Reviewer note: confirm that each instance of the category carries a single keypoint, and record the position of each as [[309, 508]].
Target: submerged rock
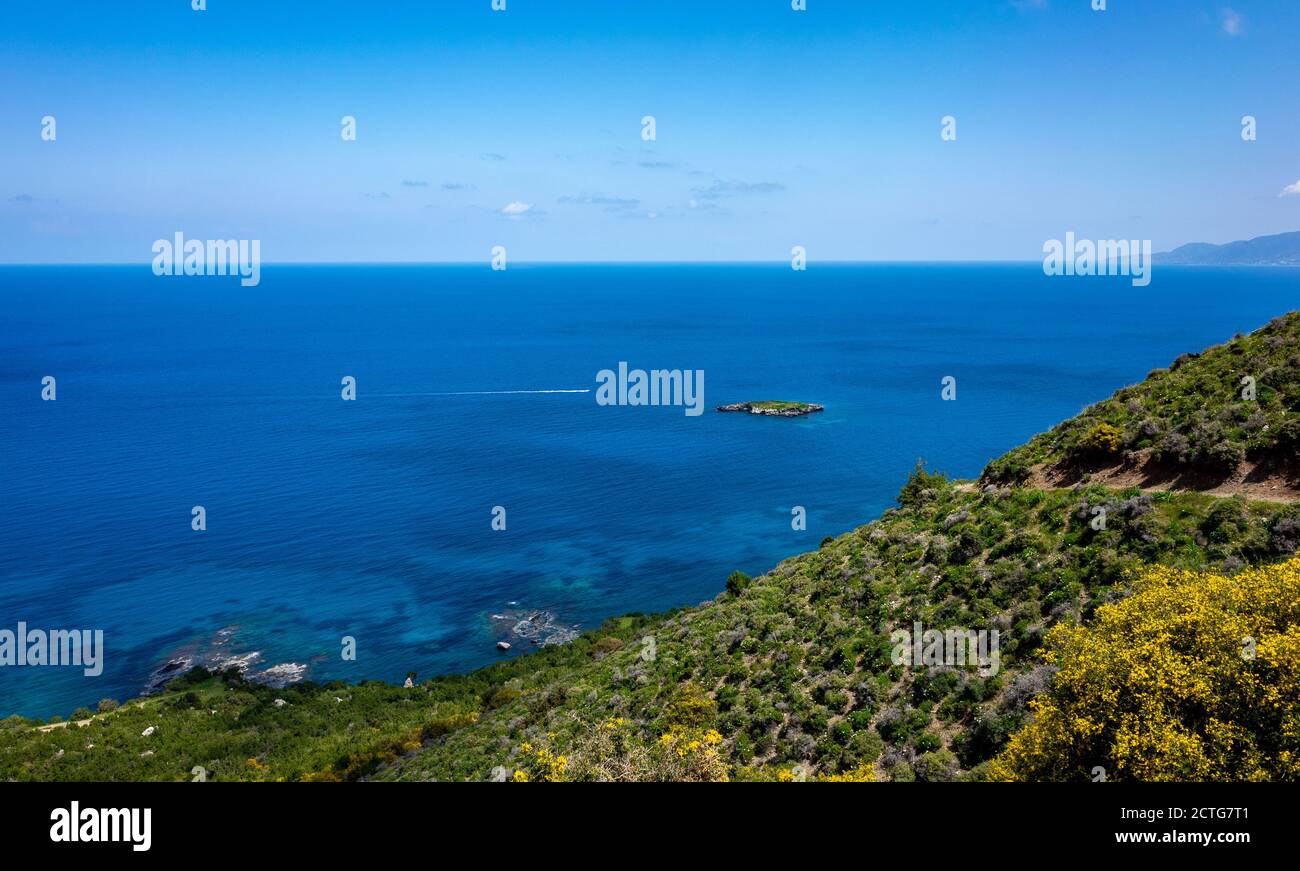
[[540, 628], [216, 655]]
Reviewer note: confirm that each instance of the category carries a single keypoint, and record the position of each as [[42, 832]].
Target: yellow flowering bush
[[684, 753], [685, 743], [614, 750], [691, 707], [1196, 676], [865, 773], [539, 764], [1102, 439]]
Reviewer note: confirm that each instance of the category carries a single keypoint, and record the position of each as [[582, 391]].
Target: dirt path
[[48, 727], [1251, 481], [63, 725]]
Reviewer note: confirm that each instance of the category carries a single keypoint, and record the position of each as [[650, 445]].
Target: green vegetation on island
[[774, 408]]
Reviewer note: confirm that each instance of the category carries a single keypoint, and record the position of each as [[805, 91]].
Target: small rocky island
[[774, 408]]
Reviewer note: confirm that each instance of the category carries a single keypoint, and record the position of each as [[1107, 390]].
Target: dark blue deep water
[[372, 518]]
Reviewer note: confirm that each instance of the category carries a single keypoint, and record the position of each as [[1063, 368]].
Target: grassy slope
[[798, 663], [791, 668], [220, 723], [1192, 415]]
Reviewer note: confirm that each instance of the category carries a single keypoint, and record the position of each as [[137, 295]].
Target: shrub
[[1284, 537], [691, 707], [920, 485], [608, 644], [937, 766], [1147, 431], [927, 741], [1226, 521], [736, 582], [444, 725], [865, 746], [1287, 435], [1027, 686], [901, 772], [610, 752], [861, 774], [1222, 455], [933, 685], [1013, 468], [1174, 448], [502, 695], [986, 736], [1104, 439], [1160, 687], [836, 700], [897, 725]]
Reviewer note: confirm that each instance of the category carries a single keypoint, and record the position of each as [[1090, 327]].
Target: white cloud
[[721, 188], [515, 210], [1232, 23], [1291, 190]]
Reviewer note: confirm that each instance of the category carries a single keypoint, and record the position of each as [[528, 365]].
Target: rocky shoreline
[[537, 627], [219, 652], [216, 655]]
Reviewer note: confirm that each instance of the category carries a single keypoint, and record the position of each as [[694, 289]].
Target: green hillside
[[1192, 419], [789, 675]]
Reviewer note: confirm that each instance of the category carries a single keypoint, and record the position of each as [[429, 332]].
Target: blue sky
[[774, 127]]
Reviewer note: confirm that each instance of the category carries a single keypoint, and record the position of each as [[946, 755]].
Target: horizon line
[[486, 261]]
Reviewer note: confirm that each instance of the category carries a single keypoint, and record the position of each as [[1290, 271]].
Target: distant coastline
[[1281, 249]]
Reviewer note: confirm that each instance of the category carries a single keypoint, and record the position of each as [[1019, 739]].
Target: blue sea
[[372, 518]]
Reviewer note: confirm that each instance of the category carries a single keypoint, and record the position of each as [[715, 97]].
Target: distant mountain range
[[1282, 249]]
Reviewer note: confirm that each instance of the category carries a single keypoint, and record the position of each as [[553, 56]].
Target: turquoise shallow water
[[372, 518]]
